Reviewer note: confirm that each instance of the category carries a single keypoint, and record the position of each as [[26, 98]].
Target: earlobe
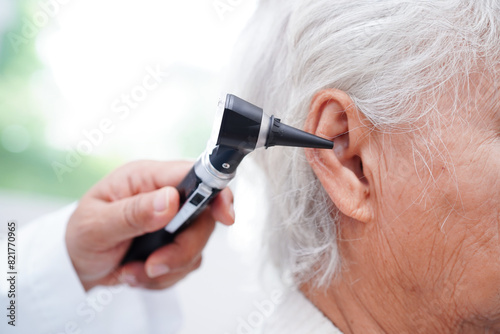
[[333, 115]]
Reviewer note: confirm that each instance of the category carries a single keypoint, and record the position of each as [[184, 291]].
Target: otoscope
[[240, 128]]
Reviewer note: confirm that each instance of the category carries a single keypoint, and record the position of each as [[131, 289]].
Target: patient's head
[[405, 209]]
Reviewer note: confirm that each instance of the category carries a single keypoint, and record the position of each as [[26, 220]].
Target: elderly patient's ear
[[342, 170]]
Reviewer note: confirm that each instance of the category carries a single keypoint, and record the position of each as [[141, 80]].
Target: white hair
[[387, 55]]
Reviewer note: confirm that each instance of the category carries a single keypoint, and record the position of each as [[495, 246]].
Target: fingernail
[[129, 279], [160, 203], [231, 212], [157, 270]]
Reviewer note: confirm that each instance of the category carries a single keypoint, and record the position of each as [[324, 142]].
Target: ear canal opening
[[354, 163], [358, 169]]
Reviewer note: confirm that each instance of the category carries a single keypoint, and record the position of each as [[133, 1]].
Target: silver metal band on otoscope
[[209, 175], [265, 127]]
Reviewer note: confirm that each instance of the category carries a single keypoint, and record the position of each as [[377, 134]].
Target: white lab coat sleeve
[[51, 300]]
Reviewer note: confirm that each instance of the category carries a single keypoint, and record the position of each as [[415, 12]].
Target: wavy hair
[[391, 57]]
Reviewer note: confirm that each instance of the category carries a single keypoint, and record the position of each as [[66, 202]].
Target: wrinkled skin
[[420, 244]]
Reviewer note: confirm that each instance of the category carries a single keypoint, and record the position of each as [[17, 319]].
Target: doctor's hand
[[135, 199]]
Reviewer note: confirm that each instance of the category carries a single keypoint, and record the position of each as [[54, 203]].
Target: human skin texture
[[420, 223], [135, 199]]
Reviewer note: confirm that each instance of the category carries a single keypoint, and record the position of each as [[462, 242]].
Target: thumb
[[141, 214]]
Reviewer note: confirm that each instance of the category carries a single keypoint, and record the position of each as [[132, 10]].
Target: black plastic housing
[[240, 124], [226, 159], [284, 135]]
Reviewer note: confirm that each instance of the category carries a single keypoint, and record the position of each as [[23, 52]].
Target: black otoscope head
[[245, 127], [240, 125]]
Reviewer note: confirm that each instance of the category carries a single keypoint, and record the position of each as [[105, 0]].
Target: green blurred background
[[25, 157], [64, 79], [40, 96]]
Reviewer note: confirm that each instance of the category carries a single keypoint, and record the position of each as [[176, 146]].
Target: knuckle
[[189, 255], [188, 258], [126, 168], [131, 215], [193, 264]]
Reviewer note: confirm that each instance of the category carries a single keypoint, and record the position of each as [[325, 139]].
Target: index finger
[[140, 177]]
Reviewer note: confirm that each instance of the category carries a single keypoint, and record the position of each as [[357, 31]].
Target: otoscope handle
[[146, 244]]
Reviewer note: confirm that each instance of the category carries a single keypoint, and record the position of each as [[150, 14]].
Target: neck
[[357, 306]]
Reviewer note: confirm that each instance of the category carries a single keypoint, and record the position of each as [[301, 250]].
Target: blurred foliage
[[31, 170]]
